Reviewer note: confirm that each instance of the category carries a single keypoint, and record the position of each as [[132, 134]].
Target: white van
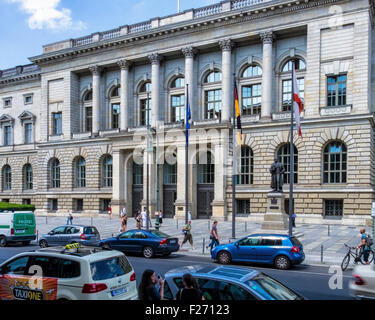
[[17, 226]]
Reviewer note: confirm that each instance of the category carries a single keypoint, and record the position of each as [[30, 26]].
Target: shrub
[[6, 206]]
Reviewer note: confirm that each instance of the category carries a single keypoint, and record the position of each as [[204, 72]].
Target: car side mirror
[[237, 244]]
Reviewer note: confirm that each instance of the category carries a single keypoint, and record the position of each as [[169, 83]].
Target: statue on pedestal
[[277, 171]]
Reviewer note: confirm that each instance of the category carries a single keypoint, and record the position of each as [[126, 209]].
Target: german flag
[[237, 113]]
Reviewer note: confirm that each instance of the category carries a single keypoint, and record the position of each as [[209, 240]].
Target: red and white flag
[[297, 102]]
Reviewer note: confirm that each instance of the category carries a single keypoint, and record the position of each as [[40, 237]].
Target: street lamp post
[[147, 155]]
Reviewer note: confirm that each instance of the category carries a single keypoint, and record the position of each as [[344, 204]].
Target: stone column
[[219, 203], [267, 38], [155, 59], [124, 99], [189, 53], [118, 189], [95, 70], [227, 96]]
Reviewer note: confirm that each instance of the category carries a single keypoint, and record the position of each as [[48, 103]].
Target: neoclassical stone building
[[74, 122]]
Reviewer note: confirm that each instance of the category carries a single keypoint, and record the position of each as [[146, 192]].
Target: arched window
[[286, 82], [80, 173], [335, 163], [87, 112], [206, 169], [107, 171], [251, 90], [144, 100], [177, 99], [246, 175], [284, 157], [54, 173], [115, 92], [27, 177], [212, 95], [7, 177], [137, 174]]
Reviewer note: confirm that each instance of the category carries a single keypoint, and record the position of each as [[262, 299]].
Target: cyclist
[[364, 245]]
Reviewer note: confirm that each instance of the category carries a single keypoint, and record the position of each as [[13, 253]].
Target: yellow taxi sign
[[73, 246]]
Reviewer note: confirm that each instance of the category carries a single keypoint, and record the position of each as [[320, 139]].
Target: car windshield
[[271, 289], [110, 268], [159, 234]]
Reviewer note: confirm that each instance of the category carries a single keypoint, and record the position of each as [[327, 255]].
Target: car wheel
[[282, 263], [43, 244], [224, 257], [148, 252], [3, 241]]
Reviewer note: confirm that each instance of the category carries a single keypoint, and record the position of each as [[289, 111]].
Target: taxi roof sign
[[75, 245]]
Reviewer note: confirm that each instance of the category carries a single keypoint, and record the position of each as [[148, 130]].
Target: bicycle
[[358, 257]]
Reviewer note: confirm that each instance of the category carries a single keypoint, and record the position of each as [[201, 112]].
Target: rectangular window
[[137, 174], [104, 205], [243, 207], [178, 107], [57, 123], [170, 174], [28, 99], [78, 205], [28, 133], [53, 204], [251, 99], [213, 104], [287, 93], [115, 116], [7, 102], [336, 91], [26, 201], [88, 119], [333, 209], [7, 135], [144, 115]]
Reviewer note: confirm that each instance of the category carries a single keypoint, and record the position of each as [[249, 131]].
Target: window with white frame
[[251, 90], [246, 175], [28, 129], [115, 107], [212, 95], [336, 90], [56, 123], [7, 102], [144, 102], [54, 173], [28, 99], [7, 135], [107, 164], [80, 172], [27, 177], [87, 112], [177, 99], [286, 82], [7, 177]]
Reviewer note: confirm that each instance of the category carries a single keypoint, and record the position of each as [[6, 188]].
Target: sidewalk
[[314, 236]]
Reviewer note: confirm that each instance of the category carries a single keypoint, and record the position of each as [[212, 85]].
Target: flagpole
[[186, 157], [147, 155], [233, 172], [291, 161]]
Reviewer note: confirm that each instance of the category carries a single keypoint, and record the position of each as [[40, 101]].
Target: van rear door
[[24, 224]]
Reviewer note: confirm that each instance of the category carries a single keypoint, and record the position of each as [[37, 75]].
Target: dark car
[[279, 250], [219, 283], [149, 243], [63, 235]]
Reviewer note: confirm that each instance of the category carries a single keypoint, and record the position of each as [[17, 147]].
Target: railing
[[207, 11], [139, 27], [19, 70], [82, 41], [111, 34], [239, 4]]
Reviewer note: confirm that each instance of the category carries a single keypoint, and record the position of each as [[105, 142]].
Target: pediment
[[26, 115], [6, 118]]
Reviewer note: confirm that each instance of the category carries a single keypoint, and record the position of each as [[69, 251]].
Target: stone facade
[[99, 86]]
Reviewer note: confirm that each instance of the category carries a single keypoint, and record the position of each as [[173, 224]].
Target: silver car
[[63, 235]]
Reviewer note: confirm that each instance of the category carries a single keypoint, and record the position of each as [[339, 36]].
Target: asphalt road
[[310, 281]]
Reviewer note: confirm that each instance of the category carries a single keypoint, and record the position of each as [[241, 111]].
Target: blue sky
[[27, 25]]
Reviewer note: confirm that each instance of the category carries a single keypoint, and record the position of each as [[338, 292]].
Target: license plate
[[20, 231], [172, 241], [117, 292]]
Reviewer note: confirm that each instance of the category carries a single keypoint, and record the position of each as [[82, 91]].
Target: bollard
[[321, 253], [329, 231], [204, 242], [91, 221]]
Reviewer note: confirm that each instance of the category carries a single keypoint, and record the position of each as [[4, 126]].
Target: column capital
[[189, 52], [155, 58], [267, 37], [95, 70], [226, 44], [124, 64]]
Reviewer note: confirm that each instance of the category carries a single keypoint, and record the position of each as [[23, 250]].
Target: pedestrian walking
[[187, 235], [157, 219], [147, 290], [70, 218], [190, 291], [365, 245], [110, 211], [138, 220], [124, 222], [144, 218], [214, 236], [123, 212], [160, 218], [294, 220]]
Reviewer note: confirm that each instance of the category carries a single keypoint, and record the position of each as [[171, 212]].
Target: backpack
[[369, 241]]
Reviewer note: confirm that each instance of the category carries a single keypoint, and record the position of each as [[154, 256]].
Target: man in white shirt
[[144, 218]]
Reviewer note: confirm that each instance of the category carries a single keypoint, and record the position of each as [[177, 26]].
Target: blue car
[[281, 251], [149, 243], [222, 283]]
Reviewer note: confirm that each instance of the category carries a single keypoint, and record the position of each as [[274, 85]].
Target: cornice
[[245, 14]]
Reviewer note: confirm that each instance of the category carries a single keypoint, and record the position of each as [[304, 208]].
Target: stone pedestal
[[275, 218]]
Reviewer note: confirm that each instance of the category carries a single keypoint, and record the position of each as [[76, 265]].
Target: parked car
[[68, 273], [220, 283], [17, 227], [362, 286], [149, 243], [281, 251], [86, 235]]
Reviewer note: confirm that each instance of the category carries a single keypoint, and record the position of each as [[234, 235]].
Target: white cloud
[[47, 14]]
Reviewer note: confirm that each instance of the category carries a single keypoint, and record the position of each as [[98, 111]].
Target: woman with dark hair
[[190, 291], [147, 290]]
